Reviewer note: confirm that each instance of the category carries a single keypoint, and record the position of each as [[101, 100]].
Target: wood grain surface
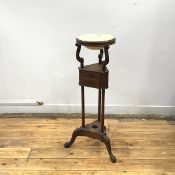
[[34, 146]]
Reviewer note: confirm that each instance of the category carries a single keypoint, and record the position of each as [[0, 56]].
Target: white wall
[[37, 54]]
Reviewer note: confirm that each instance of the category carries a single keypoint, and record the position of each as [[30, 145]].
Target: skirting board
[[76, 108]]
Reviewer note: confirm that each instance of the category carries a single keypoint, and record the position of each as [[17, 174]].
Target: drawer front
[[93, 83], [90, 75], [89, 82], [93, 79]]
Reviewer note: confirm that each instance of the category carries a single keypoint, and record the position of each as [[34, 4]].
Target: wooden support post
[[103, 110], [99, 104], [83, 106]]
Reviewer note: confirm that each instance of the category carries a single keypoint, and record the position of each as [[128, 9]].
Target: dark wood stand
[[95, 76]]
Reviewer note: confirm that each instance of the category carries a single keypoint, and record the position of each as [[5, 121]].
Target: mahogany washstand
[[94, 76]]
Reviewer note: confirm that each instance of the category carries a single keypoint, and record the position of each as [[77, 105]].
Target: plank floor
[[34, 146]]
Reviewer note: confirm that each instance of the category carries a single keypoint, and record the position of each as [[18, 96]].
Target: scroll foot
[[74, 135], [106, 141]]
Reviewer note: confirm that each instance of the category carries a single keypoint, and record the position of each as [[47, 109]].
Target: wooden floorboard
[[58, 172], [66, 133], [114, 126], [82, 142], [34, 146]]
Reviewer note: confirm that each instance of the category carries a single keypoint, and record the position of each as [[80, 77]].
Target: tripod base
[[92, 130]]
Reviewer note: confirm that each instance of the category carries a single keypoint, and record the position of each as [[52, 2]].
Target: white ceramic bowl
[[95, 41]]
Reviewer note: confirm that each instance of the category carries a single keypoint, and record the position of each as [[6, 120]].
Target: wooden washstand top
[[95, 41]]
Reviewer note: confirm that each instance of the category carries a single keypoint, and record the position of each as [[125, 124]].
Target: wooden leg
[[106, 141], [74, 135], [99, 104], [83, 106], [78, 130], [103, 110]]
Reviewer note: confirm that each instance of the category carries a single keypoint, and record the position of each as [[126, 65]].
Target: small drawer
[[89, 82], [89, 74]]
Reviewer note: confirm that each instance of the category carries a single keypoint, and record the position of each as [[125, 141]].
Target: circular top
[[95, 41]]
